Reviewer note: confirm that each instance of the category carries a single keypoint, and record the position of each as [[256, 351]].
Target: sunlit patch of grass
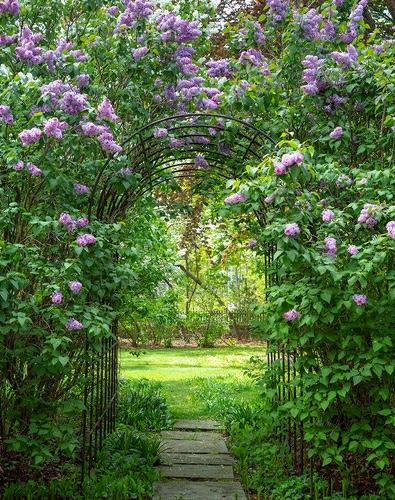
[[181, 371]]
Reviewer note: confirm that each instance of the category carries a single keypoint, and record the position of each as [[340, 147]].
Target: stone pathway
[[196, 464]]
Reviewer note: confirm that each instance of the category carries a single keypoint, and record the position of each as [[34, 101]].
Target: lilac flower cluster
[[252, 243], [345, 59], [113, 11], [175, 143], [82, 80], [73, 324], [314, 28], [57, 297], [139, 53], [8, 39], [360, 299], [332, 102], [134, 10], [92, 130], [86, 239], [125, 171], [367, 215], [108, 144], [30, 136], [54, 128], [75, 286], [330, 247], [287, 160], [270, 198], [291, 315], [219, 68], [200, 161], [336, 133], [71, 224], [313, 84], [352, 249], [175, 28], [9, 7], [73, 102], [291, 229], [34, 171], [105, 110], [235, 198], [27, 51], [327, 215], [81, 188], [251, 56], [19, 165], [183, 58], [356, 15], [160, 132], [6, 114], [390, 226], [277, 9]]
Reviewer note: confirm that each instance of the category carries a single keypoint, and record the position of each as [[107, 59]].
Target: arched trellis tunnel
[[207, 147]]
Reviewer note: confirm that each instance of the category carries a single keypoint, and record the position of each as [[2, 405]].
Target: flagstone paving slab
[[189, 446], [197, 471], [196, 436], [199, 490], [196, 458], [199, 425]]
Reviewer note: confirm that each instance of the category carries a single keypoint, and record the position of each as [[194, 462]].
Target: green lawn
[[180, 372]]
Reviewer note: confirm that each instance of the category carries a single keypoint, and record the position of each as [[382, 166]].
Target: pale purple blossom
[[10, 7], [108, 143], [30, 136], [54, 128], [73, 102], [92, 130], [277, 9], [139, 53], [105, 110], [235, 198], [352, 249], [84, 240], [81, 188], [336, 133], [200, 161], [160, 132], [176, 143], [219, 68], [343, 181], [73, 324], [252, 56], [75, 286], [57, 297], [81, 222], [279, 168], [65, 219], [292, 315], [252, 243], [367, 215], [19, 165], [6, 114], [327, 215], [291, 229], [290, 159], [83, 80], [360, 299], [390, 226], [330, 247], [34, 170]]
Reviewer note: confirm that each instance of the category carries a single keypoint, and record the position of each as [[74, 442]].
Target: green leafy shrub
[[142, 406], [205, 328]]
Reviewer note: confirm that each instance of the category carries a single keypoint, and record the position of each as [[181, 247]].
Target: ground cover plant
[[81, 242]]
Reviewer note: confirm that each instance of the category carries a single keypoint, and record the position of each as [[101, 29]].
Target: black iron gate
[[100, 397]]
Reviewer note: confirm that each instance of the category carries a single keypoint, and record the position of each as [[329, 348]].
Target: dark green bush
[[142, 406]]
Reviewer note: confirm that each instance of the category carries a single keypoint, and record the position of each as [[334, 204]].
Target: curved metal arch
[[156, 160]]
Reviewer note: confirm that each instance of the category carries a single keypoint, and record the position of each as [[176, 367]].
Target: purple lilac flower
[[54, 128], [327, 215], [19, 165], [279, 168], [345, 59], [125, 171], [8, 39], [83, 80], [252, 243], [360, 299], [160, 132], [291, 315], [367, 215], [54, 88], [219, 68], [73, 102], [235, 198], [176, 143], [73, 324], [356, 15], [139, 53], [6, 114], [330, 247], [173, 26], [113, 11], [81, 188], [139, 9], [290, 159], [251, 56], [27, 51], [84, 240], [57, 297], [108, 144], [105, 110], [65, 219], [336, 133], [81, 222], [75, 286], [343, 181], [79, 55], [291, 229], [390, 226], [92, 130], [277, 9], [10, 7], [30, 136], [313, 84], [34, 170], [200, 161], [352, 249], [270, 198]]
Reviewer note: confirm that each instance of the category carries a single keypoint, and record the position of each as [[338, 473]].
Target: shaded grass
[[181, 371]]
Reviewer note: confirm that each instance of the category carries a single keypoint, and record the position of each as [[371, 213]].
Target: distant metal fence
[[100, 398]]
